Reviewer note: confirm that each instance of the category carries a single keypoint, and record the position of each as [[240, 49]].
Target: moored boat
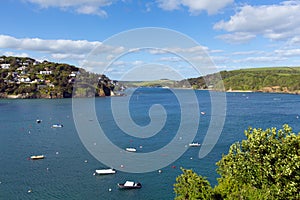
[[194, 144], [130, 185], [104, 171], [57, 126], [37, 157], [130, 149]]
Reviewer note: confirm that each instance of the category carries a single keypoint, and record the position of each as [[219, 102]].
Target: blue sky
[[235, 34]]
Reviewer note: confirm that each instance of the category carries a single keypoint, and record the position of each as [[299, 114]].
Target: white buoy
[[85, 161], [109, 189], [29, 191], [159, 171]]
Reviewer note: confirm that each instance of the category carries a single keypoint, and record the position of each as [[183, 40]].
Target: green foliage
[[268, 162], [191, 186], [265, 166], [276, 79]]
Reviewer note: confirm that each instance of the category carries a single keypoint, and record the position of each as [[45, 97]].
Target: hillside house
[[25, 80], [5, 66], [46, 72]]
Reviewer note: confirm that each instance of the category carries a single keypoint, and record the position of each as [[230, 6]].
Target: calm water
[[67, 170]]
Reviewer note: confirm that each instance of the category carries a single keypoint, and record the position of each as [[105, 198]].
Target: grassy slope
[[268, 79], [273, 79]]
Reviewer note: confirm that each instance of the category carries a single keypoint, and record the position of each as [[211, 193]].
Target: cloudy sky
[[234, 34]]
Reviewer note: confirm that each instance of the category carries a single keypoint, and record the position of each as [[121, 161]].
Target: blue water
[[67, 170]]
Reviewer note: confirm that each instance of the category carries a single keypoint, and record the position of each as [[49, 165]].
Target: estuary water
[[67, 171]]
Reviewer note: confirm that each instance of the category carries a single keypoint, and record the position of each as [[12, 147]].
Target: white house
[[21, 68], [46, 72], [25, 80], [72, 75], [5, 66]]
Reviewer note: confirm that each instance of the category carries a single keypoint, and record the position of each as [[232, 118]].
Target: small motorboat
[[57, 126], [104, 171], [194, 144], [38, 121], [130, 149], [130, 185], [37, 157]]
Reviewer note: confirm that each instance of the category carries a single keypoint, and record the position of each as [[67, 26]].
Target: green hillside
[[273, 79], [22, 77], [155, 83]]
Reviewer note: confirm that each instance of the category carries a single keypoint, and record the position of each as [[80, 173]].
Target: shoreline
[[20, 96]]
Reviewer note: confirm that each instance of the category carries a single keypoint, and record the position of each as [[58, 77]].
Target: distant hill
[[155, 83], [271, 79], [22, 77]]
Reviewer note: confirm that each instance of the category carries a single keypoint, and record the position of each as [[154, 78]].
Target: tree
[[264, 166], [268, 162], [191, 186]]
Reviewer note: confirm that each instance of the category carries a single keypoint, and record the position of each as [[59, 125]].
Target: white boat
[[130, 185], [104, 171], [57, 126], [130, 149], [37, 157], [38, 121], [194, 144]]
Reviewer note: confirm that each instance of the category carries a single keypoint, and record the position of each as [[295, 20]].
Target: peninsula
[[23, 77]]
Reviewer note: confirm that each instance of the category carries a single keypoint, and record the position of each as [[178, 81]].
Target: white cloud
[[169, 4], [288, 52], [137, 62], [294, 41], [75, 50], [48, 46], [80, 6], [237, 38], [261, 59], [276, 22], [171, 59], [8, 53], [194, 6], [178, 50], [61, 56], [248, 52]]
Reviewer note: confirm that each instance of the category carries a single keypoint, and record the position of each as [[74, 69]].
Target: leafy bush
[[265, 166]]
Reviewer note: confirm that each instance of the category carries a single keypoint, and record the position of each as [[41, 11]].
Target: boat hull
[[129, 149], [37, 157], [194, 145], [104, 171], [136, 186]]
